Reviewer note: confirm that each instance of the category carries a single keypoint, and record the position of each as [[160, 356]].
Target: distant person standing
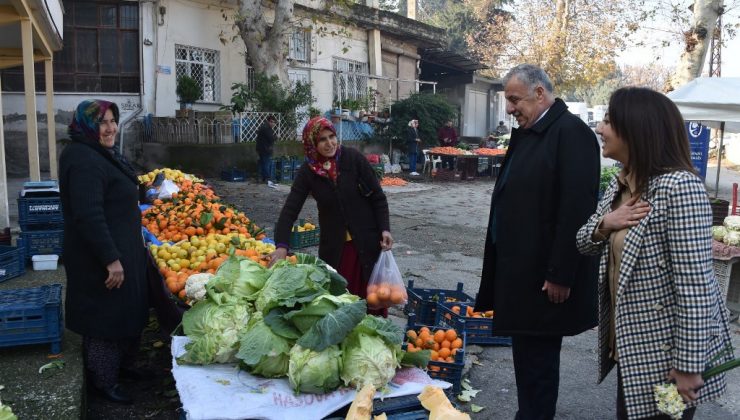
[[447, 137], [412, 144], [533, 276], [501, 129], [265, 143]]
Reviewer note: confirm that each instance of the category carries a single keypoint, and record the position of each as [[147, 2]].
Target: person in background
[[501, 129], [265, 143], [533, 276], [652, 229], [412, 144], [447, 137], [490, 142], [353, 210], [104, 257]]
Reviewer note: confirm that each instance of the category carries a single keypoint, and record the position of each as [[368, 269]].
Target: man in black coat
[[265, 141], [540, 287]]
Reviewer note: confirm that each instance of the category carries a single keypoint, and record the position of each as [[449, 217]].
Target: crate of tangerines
[[423, 302], [446, 346], [478, 326]]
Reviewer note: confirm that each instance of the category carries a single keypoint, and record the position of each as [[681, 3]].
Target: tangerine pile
[[384, 295], [472, 314], [443, 343]]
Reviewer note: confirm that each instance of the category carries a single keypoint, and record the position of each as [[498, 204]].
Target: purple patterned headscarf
[[85, 125]]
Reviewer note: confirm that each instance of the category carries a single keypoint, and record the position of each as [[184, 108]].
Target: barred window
[[350, 79], [202, 65], [100, 52], [299, 45]]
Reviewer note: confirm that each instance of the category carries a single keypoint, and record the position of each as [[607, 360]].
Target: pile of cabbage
[[729, 232], [294, 320]]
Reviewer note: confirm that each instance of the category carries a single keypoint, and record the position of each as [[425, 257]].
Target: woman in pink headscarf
[[353, 210]]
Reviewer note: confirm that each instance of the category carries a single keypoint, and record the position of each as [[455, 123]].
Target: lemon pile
[[192, 253], [305, 227], [174, 175]]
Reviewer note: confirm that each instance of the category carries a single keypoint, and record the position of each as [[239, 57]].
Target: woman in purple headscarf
[[353, 210], [105, 261]]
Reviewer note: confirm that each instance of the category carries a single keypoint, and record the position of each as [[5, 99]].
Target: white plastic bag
[[167, 189], [386, 288]]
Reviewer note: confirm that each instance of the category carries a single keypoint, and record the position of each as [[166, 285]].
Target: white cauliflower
[[195, 286], [732, 222], [719, 232], [732, 238]]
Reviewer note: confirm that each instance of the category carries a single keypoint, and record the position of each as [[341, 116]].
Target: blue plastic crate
[[12, 262], [477, 330], [445, 371], [39, 212], [32, 316], [283, 168], [42, 242], [423, 302], [407, 407]]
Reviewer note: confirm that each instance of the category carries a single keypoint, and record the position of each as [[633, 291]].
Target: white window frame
[[210, 63], [299, 45], [353, 75]]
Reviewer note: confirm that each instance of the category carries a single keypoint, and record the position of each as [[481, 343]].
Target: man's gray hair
[[530, 75]]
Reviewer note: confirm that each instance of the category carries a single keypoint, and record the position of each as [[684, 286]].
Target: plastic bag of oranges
[[386, 288]]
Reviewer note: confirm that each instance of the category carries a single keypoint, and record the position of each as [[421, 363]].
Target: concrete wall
[[196, 25]]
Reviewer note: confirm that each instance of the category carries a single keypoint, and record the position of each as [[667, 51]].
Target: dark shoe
[[115, 394], [136, 374]]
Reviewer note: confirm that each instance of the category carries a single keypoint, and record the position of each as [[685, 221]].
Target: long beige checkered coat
[[669, 311]]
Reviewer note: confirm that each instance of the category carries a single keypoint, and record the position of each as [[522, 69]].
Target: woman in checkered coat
[[661, 315]]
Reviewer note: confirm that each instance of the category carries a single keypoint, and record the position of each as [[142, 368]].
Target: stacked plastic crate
[[40, 218]]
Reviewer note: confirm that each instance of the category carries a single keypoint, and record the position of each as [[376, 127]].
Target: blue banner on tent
[[699, 144]]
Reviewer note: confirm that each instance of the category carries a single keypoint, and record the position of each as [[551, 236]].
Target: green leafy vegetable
[[334, 326], [264, 352], [315, 372], [214, 331], [418, 359], [280, 326], [312, 312]]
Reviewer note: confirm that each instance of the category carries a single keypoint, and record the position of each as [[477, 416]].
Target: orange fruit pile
[[443, 343], [384, 295], [472, 314]]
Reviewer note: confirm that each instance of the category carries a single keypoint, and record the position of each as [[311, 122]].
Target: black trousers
[[104, 358], [537, 372]]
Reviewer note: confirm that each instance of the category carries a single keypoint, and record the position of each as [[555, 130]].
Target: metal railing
[[210, 129]]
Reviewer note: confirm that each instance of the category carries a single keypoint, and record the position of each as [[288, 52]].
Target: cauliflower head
[[195, 286]]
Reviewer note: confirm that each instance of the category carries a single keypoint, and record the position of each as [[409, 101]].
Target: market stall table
[[727, 272], [223, 391], [468, 166]]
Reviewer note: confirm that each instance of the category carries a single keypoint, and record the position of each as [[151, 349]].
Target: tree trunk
[[267, 44], [697, 41], [557, 42]]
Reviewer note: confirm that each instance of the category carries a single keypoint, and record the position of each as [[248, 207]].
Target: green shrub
[[607, 174], [188, 89], [432, 111]]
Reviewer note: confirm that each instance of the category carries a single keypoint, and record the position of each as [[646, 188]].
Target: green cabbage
[[732, 238], [290, 284], [263, 352], [312, 312], [315, 372], [366, 359], [719, 232], [237, 279], [214, 332]]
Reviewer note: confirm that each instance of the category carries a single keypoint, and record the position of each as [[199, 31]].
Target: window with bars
[[350, 79], [100, 51], [299, 45], [202, 65]]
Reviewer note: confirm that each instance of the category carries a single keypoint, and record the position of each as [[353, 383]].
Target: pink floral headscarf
[[322, 166]]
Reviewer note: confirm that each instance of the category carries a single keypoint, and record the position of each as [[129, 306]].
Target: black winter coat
[[356, 203], [102, 223], [550, 192], [411, 135], [265, 140]]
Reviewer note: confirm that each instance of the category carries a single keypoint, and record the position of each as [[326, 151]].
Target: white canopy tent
[[713, 101]]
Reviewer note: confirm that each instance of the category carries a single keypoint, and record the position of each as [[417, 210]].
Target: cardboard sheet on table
[[224, 392]]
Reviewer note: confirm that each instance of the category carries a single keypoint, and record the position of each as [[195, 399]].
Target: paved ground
[[439, 229]]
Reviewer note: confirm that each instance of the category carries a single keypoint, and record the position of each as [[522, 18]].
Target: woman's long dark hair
[[653, 129]]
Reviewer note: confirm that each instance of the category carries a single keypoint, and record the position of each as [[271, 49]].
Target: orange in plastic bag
[[386, 288]]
